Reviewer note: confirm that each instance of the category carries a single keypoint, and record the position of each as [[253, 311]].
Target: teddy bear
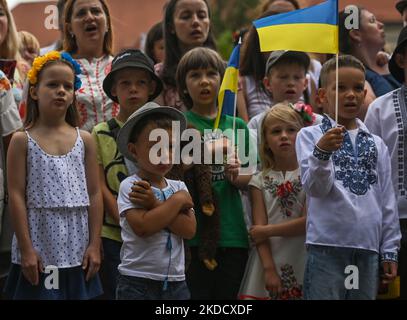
[[198, 179]]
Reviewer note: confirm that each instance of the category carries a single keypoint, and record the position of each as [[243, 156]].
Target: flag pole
[[337, 68], [234, 108], [336, 89]]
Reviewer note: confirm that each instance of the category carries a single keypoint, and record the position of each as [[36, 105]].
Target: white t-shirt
[[150, 257], [352, 134]]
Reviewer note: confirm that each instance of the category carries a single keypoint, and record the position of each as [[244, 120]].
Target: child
[[153, 226], [29, 46], [55, 200], [352, 220], [131, 83], [285, 80], [275, 270], [386, 117], [154, 47], [199, 77], [9, 123]]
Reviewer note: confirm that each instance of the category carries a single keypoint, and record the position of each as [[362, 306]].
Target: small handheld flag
[[228, 89], [312, 29]]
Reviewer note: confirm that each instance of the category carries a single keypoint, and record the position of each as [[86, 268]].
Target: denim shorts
[[135, 288], [335, 273]]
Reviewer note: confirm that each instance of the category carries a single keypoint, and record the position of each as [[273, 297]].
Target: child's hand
[[232, 167], [332, 139], [259, 233], [142, 195], [389, 272], [273, 283], [91, 261], [185, 198], [218, 146], [31, 266]]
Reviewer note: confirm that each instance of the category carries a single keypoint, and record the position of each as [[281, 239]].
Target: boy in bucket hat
[[156, 221], [131, 83], [387, 118]]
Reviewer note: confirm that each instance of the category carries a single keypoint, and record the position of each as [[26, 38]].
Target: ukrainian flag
[[228, 89], [312, 29]]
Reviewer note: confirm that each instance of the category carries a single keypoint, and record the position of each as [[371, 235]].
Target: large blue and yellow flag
[[228, 89], [312, 29]]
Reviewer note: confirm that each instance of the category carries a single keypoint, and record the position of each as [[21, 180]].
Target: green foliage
[[224, 42], [229, 16]]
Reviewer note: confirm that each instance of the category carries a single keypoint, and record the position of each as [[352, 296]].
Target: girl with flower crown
[[276, 265], [55, 200]]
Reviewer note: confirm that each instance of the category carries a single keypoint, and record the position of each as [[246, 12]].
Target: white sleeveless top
[[57, 203]]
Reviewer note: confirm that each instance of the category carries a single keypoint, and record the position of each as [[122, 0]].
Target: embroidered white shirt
[[387, 118], [93, 104], [351, 200]]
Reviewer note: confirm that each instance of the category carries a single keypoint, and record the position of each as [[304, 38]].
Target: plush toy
[[198, 179]]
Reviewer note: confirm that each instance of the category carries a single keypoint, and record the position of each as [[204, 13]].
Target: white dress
[[285, 200]]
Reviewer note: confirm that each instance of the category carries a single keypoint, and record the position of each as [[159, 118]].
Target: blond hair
[[281, 112], [9, 47], [28, 40]]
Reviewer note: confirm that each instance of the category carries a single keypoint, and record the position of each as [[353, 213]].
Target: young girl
[[199, 77], [29, 46], [276, 267], [55, 200], [154, 47]]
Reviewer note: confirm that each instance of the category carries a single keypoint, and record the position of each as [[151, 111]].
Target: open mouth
[[205, 92], [290, 92], [91, 28]]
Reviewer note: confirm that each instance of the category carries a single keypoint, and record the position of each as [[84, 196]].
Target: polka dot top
[[56, 181]]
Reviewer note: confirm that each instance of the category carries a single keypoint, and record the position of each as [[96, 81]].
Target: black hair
[[154, 34], [345, 41], [173, 52]]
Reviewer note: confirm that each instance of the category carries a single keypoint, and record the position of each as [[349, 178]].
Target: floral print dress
[[284, 201]]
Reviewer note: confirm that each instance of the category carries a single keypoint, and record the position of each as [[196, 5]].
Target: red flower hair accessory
[[305, 111]]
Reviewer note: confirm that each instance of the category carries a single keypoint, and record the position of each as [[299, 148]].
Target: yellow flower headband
[[40, 61]]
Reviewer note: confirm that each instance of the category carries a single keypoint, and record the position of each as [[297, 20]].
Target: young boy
[[131, 83], [154, 225], [387, 117], [286, 80], [352, 220]]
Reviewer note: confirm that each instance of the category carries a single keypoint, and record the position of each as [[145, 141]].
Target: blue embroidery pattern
[[321, 155], [356, 168], [389, 256]]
